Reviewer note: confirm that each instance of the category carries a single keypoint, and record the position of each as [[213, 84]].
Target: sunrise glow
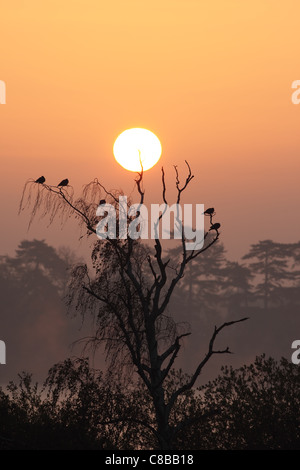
[[136, 149]]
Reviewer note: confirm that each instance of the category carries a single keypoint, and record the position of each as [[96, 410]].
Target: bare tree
[[129, 293]]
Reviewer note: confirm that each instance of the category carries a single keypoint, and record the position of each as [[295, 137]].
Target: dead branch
[[210, 352]]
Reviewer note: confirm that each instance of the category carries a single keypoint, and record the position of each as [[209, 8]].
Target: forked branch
[[208, 355]]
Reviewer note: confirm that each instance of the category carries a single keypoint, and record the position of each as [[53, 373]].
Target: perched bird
[[215, 227], [209, 211], [64, 182], [102, 202], [40, 180]]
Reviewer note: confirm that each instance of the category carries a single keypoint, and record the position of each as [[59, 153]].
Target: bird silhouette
[[102, 202], [215, 226], [209, 211], [64, 182], [40, 180]]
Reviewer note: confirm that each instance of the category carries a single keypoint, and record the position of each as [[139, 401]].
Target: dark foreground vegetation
[[253, 407]]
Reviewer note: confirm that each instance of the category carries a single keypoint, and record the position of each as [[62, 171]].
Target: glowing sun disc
[[136, 148]]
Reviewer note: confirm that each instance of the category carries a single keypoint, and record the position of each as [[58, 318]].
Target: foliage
[[273, 263], [254, 407], [258, 407]]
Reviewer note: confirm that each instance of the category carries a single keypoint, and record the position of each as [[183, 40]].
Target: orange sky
[[211, 79]]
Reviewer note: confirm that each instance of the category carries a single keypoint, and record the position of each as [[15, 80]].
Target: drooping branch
[[108, 193], [76, 210], [135, 357], [58, 192]]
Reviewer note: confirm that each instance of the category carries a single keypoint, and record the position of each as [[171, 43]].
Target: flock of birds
[[65, 182], [209, 212], [42, 179]]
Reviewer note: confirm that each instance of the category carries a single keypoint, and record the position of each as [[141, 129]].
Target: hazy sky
[[211, 79]]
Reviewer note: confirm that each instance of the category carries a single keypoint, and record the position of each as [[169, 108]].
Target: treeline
[[33, 318], [264, 285], [253, 407], [268, 276]]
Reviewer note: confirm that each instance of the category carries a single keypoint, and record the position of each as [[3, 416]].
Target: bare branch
[[194, 255], [164, 185], [210, 352], [175, 348], [139, 181], [169, 351], [187, 181], [151, 268], [158, 248]]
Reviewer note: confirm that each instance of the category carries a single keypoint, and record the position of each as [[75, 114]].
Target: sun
[[137, 148]]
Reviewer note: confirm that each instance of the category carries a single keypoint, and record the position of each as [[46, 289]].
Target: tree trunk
[[157, 390], [165, 437], [165, 432]]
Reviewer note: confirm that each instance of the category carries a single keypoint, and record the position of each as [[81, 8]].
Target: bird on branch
[[215, 227], [63, 183], [209, 211], [40, 180]]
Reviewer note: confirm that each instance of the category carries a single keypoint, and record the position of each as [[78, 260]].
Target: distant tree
[[203, 283], [208, 287], [128, 296], [33, 309], [273, 267], [36, 260], [238, 285], [296, 262], [39, 276]]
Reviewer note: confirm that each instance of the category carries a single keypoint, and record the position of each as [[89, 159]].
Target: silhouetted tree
[[273, 265], [238, 285], [128, 296], [38, 260], [33, 310]]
